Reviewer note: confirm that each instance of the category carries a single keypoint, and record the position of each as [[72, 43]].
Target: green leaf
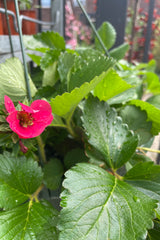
[[49, 58], [50, 76], [137, 121], [153, 114], [57, 122], [153, 234], [65, 62], [123, 97], [119, 52], [102, 207], [32, 220], [112, 137], [51, 39], [146, 178], [149, 66], [146, 171], [53, 172], [19, 178], [65, 104], [5, 139], [108, 35], [154, 100], [45, 92], [153, 84], [36, 75], [129, 73], [35, 58], [136, 158], [76, 155], [85, 70], [12, 81], [4, 127], [31, 43], [105, 90]]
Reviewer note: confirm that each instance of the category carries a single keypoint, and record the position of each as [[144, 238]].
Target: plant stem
[[70, 129], [118, 176], [41, 149], [148, 149], [35, 194], [114, 173]]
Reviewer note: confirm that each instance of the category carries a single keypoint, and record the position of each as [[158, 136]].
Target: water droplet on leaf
[[136, 199]]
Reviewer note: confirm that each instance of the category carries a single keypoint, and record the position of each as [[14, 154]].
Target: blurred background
[[137, 22]]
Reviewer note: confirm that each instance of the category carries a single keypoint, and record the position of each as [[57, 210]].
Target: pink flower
[[31, 121]]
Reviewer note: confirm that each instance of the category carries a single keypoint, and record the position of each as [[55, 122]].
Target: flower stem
[[35, 194], [148, 149], [42, 154], [114, 173], [70, 129]]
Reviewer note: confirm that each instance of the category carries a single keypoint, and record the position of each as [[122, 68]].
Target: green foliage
[[107, 34], [153, 83], [51, 39], [12, 82], [50, 76], [35, 58], [145, 177], [53, 172], [45, 92], [104, 90], [112, 138], [82, 69], [123, 97], [154, 100], [65, 105], [49, 58], [153, 234], [102, 207], [136, 121], [119, 52], [96, 139], [153, 114], [19, 178], [32, 220], [65, 63], [57, 122], [75, 156], [32, 43]]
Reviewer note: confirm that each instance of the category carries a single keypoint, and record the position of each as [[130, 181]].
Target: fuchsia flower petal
[[30, 121], [26, 108], [42, 111], [9, 104], [31, 131]]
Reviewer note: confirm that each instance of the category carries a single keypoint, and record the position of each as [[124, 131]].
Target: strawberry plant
[[83, 136]]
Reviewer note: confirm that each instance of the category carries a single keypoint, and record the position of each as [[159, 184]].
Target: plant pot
[[28, 28], [11, 7], [1, 24], [1, 20]]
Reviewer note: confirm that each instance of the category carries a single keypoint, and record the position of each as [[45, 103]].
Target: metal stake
[[93, 28], [9, 29], [23, 52]]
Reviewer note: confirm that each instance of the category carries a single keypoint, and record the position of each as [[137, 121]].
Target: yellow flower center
[[25, 119]]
